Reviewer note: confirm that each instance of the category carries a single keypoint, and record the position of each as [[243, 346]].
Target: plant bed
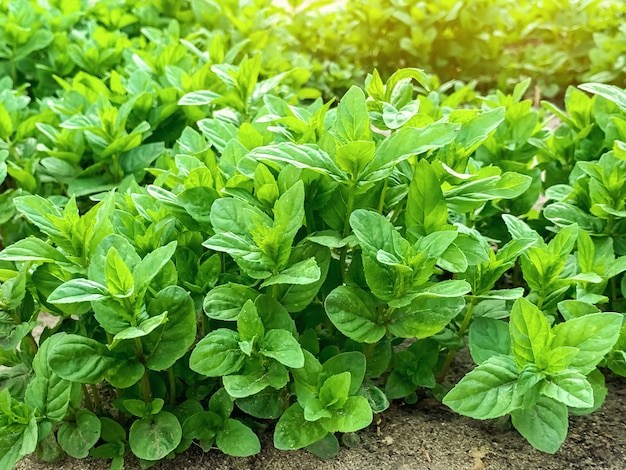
[[423, 436], [221, 255]]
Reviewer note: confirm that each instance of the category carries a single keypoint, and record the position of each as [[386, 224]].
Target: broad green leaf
[[300, 156], [594, 335], [469, 196], [519, 230], [148, 268], [449, 288], [488, 391], [236, 224], [254, 380], [39, 211], [502, 294], [353, 312], [47, 392], [282, 346], [530, 332], [544, 425], [557, 359], [198, 98], [237, 439], [32, 249], [396, 118], [424, 317], [249, 324], [352, 122], [226, 301], [326, 448], [563, 214], [80, 359], [355, 414], [217, 354], [78, 290], [123, 246], [610, 92], [598, 385], [375, 397], [488, 337], [353, 157], [142, 329], [570, 388], [288, 218], [406, 142], [202, 425], [119, 279], [170, 341], [335, 391], [477, 129], [20, 433], [267, 404], [426, 208], [143, 409], [302, 273], [353, 362], [79, 437], [155, 437], [273, 315], [294, 432]]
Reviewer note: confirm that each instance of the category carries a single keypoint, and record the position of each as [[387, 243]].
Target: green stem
[[87, 397], [310, 220], [381, 201], [172, 383], [346, 230], [342, 262], [204, 324], [116, 169], [464, 325], [349, 208], [609, 225], [96, 397], [13, 72], [613, 286], [540, 300], [146, 390]]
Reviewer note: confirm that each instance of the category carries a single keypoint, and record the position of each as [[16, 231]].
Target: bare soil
[[423, 436]]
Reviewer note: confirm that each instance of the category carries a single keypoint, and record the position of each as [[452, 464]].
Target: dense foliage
[[215, 249]]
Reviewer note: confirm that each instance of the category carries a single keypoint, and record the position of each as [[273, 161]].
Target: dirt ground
[[423, 436]]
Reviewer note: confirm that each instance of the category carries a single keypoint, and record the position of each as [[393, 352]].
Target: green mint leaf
[[353, 312], [488, 391], [544, 425]]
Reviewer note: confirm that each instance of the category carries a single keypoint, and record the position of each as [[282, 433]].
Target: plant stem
[[146, 390], [464, 325], [172, 383], [349, 208], [540, 300], [613, 286], [116, 169], [96, 397], [346, 230], [87, 397], [310, 220], [204, 324], [381, 201]]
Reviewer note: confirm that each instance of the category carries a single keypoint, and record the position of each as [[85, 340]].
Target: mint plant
[[218, 250], [537, 372]]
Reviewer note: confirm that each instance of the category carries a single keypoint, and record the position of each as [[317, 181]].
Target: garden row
[[223, 251]]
